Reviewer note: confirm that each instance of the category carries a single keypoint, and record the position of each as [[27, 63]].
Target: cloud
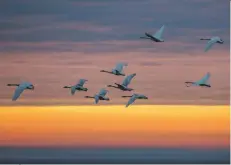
[[104, 21], [162, 78], [81, 26], [62, 41], [186, 45]]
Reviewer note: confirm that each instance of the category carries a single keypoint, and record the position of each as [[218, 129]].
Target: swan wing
[[102, 92], [131, 100], [204, 79], [128, 79], [18, 92], [210, 44], [119, 66], [73, 89], [81, 82], [159, 33], [96, 99]]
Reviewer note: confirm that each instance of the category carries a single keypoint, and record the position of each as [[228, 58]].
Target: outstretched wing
[[73, 89], [210, 44], [204, 79], [159, 33], [18, 92], [102, 92], [131, 100], [128, 79], [81, 82], [119, 66], [96, 99]]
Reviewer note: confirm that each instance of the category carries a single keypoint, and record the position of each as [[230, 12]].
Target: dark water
[[112, 156]]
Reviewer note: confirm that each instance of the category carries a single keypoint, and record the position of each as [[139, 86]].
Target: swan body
[[134, 97], [125, 83], [157, 36], [118, 70], [99, 96], [20, 88], [78, 86], [203, 82], [211, 42]]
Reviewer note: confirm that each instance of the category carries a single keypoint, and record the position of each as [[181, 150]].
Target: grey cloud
[[128, 12], [118, 155], [44, 21], [109, 46], [27, 7]]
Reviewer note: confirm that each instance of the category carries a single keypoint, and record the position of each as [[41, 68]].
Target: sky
[[55, 43], [113, 134]]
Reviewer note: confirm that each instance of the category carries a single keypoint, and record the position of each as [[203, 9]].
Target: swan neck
[[205, 38], [12, 84], [112, 86], [67, 87], [89, 97]]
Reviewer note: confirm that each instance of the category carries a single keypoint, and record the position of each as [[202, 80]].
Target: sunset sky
[[55, 43]]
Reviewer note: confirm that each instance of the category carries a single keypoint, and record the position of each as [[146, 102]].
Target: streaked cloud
[[57, 42], [90, 21], [160, 76], [113, 126]]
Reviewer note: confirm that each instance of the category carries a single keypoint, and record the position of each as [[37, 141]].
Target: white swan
[[118, 70], [78, 86], [202, 82], [124, 85], [211, 42], [134, 97], [100, 96], [157, 37], [20, 88]]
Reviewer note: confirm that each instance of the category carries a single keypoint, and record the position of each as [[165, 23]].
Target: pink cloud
[[163, 83]]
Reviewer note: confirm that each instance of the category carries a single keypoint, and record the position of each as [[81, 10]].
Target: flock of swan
[[118, 71]]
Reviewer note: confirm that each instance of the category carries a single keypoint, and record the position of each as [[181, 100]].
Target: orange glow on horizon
[[144, 126]]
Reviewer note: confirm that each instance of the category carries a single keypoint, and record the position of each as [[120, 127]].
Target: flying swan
[[203, 82], [100, 96], [134, 97], [20, 88], [78, 86], [118, 70], [211, 42], [157, 37], [124, 85]]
